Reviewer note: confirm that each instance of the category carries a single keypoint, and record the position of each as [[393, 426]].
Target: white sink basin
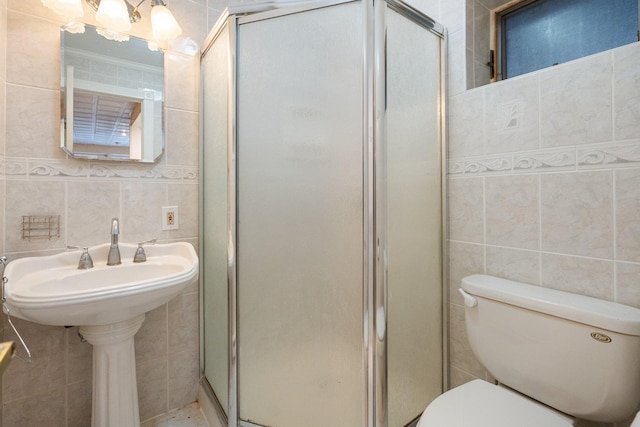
[[109, 304], [51, 290]]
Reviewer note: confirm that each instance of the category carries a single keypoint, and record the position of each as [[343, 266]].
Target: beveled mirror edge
[[153, 146]]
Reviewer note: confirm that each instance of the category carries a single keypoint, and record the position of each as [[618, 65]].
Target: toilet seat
[[481, 404]]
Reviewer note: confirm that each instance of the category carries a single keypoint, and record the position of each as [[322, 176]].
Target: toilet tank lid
[[595, 312]]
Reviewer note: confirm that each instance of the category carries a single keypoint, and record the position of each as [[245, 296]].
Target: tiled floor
[[189, 416]]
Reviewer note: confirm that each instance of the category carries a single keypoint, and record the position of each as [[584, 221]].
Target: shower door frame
[[374, 269]]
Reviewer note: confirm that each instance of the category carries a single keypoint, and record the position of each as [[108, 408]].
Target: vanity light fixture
[[116, 17]]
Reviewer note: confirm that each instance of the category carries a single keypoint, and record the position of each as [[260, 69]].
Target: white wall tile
[[577, 213], [514, 264], [466, 124], [466, 210], [460, 354], [33, 49], [47, 368], [33, 122], [576, 102], [584, 276], [464, 259], [142, 203], [627, 186], [182, 137], [627, 92], [628, 283], [512, 115], [151, 340], [152, 377], [192, 18], [79, 358], [184, 376], [91, 205], [512, 217], [184, 74], [43, 408], [185, 196], [79, 404]]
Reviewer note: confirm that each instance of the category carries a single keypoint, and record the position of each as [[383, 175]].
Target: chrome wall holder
[[40, 227]]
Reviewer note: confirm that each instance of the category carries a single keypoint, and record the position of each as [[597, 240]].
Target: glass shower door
[[300, 251], [215, 325], [413, 217]]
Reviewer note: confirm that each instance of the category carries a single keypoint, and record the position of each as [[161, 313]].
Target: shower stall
[[322, 214]]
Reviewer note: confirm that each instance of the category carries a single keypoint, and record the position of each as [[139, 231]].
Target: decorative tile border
[[456, 167], [55, 169], [544, 161], [14, 167], [487, 165], [610, 155]]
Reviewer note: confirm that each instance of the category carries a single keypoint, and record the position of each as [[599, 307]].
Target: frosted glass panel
[[215, 78], [300, 238], [413, 210]]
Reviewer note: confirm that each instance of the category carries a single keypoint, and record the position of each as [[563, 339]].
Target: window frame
[[497, 63]]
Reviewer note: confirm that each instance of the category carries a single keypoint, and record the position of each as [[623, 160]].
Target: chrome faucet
[[114, 251]]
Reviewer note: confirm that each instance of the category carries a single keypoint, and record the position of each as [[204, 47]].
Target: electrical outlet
[[170, 218]]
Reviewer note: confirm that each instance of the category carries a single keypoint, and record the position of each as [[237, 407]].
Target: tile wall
[[544, 171], [37, 178]]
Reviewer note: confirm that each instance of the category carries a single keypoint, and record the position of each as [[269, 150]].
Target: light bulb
[[163, 24], [114, 15], [69, 8]]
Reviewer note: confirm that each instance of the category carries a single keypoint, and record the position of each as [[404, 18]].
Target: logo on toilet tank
[[598, 336]]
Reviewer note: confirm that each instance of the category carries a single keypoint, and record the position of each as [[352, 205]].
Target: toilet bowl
[[557, 356], [481, 404]]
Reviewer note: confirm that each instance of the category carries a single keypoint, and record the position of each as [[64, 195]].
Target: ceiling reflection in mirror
[[112, 98]]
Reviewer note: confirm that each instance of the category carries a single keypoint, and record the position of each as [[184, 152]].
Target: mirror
[[112, 98]]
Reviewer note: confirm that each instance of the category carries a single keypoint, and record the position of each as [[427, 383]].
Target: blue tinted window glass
[[550, 32]]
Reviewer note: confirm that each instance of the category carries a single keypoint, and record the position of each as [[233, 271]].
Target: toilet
[[556, 356]]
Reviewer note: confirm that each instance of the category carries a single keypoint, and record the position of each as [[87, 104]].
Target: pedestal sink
[[109, 304]]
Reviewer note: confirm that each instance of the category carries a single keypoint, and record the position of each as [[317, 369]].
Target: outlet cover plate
[[170, 218]]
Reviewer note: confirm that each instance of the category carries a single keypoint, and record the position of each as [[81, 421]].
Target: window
[[537, 34]]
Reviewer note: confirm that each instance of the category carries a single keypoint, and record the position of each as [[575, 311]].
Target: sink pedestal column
[[115, 392]]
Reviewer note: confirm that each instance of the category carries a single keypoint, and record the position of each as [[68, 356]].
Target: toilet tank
[[578, 354]]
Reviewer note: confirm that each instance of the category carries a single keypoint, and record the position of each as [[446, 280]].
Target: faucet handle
[[140, 256], [85, 262]]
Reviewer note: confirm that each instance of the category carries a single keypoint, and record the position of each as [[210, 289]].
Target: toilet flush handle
[[469, 300]]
